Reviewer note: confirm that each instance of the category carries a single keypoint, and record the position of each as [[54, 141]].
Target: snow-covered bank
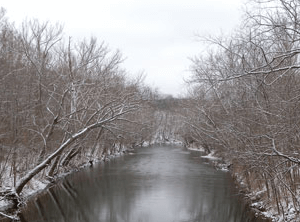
[[216, 161], [253, 199], [32, 188], [39, 183], [263, 207], [200, 149]]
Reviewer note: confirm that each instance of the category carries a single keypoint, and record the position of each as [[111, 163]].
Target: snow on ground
[[4, 203], [290, 214], [200, 149], [36, 185], [268, 210], [211, 156], [33, 186], [171, 141], [263, 209]]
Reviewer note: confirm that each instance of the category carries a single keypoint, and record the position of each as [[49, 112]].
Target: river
[[154, 184]]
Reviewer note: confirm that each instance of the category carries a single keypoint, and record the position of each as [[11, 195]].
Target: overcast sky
[[155, 36]]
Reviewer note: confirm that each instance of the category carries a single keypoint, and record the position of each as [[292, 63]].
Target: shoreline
[[247, 198], [41, 185], [8, 210]]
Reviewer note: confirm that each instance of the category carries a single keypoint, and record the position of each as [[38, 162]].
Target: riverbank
[[40, 183], [252, 200], [255, 199], [157, 183], [259, 203]]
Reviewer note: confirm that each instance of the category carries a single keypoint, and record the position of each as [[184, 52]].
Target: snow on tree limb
[[25, 179]]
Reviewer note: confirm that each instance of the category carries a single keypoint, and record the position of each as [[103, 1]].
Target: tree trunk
[[24, 180]]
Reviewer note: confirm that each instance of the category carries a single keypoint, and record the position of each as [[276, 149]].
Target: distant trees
[[63, 103], [168, 120], [244, 100]]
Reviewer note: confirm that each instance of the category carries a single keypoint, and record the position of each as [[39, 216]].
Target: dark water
[[157, 184]]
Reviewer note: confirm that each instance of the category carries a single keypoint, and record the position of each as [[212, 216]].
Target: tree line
[[63, 103], [244, 101]]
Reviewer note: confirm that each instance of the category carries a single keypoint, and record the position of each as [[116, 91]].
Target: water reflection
[[157, 184]]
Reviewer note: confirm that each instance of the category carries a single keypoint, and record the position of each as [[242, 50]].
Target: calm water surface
[[156, 184]]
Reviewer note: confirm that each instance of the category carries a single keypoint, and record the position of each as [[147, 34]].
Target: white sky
[[155, 36]]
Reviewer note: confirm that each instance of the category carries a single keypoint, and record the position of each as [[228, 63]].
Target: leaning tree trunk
[[25, 179]]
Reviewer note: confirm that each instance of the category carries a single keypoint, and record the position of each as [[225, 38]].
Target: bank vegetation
[[244, 103], [63, 103]]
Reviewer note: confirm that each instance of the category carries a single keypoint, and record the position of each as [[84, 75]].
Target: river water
[[155, 184]]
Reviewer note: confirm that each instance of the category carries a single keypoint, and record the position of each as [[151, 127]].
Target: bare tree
[[245, 97], [63, 105]]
